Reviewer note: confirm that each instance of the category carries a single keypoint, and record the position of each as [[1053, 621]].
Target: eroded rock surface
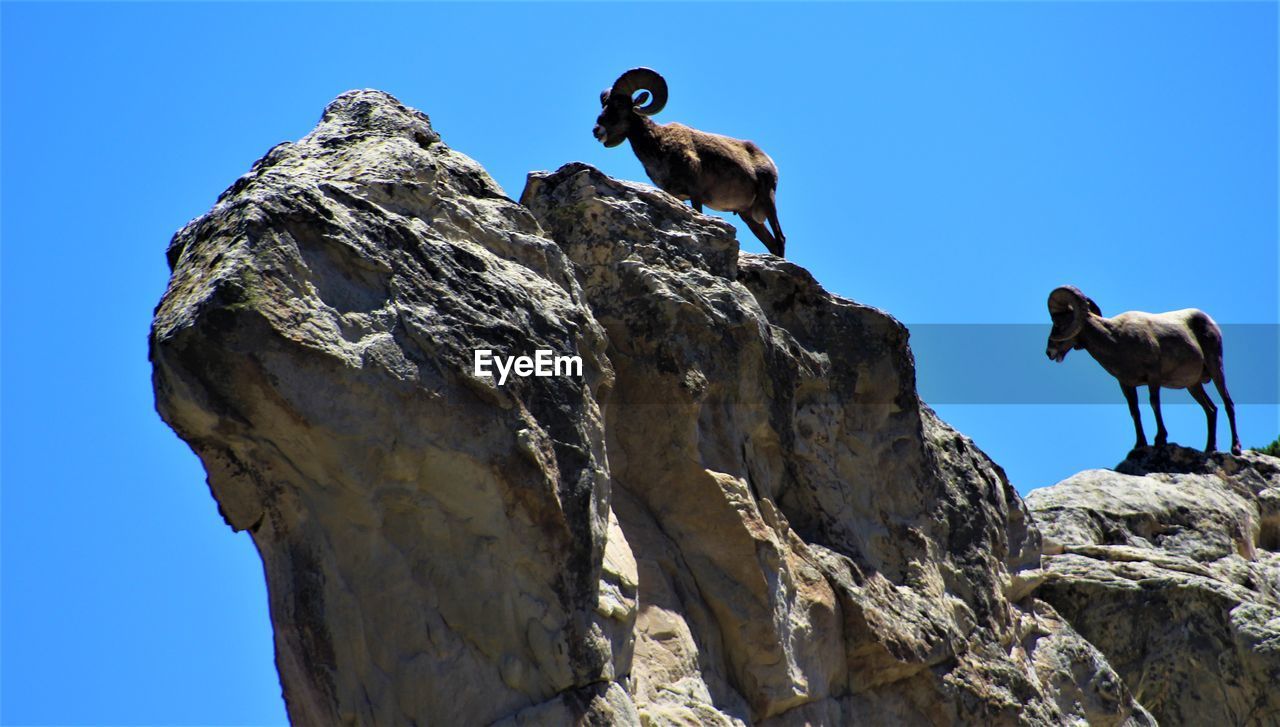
[[740, 513], [1170, 566], [803, 524], [422, 529]]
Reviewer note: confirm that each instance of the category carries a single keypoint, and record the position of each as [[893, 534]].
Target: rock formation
[[739, 513], [1171, 566]]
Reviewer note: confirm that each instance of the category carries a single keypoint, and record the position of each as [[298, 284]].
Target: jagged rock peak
[[1171, 566], [738, 512]]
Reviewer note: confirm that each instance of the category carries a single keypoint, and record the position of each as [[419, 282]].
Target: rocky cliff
[[1171, 566], [738, 512]]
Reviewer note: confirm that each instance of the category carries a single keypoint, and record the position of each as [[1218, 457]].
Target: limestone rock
[[849, 553], [1170, 566], [422, 529], [739, 513]]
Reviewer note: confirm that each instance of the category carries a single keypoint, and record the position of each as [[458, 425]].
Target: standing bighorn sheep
[[1180, 349], [726, 174]]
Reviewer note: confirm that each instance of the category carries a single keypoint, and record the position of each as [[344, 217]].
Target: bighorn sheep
[[1180, 349], [726, 174]]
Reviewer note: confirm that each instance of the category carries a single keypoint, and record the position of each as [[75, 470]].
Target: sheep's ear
[[1093, 306], [604, 96], [642, 99]]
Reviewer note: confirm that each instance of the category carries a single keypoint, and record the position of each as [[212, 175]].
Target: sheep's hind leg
[[1131, 396], [763, 234], [1162, 435], [1210, 414], [772, 213], [1220, 382]]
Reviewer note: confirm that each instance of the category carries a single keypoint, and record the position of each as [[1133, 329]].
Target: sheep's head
[[1068, 308], [622, 107]]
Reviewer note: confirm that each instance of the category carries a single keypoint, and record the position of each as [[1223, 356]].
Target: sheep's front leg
[[696, 204], [1131, 396], [1162, 436]]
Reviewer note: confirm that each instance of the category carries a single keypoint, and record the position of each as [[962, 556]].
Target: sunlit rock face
[[433, 543], [1171, 566], [737, 512]]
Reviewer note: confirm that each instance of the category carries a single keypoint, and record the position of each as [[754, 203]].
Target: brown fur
[[1180, 349], [723, 173]]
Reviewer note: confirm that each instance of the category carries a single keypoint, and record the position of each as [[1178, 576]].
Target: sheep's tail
[[1209, 336]]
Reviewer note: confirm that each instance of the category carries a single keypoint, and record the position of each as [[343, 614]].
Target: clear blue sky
[[950, 163]]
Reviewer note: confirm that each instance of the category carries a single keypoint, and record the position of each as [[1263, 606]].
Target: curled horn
[[647, 79], [1069, 298]]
